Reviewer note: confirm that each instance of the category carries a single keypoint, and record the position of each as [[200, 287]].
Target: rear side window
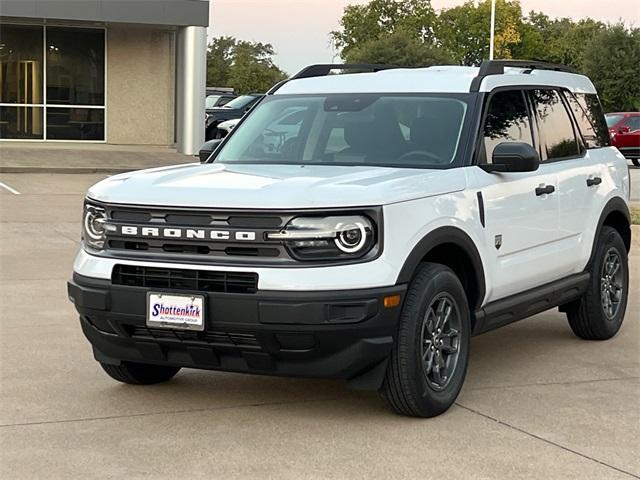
[[587, 129], [507, 120], [612, 119], [633, 123], [588, 113], [556, 129]]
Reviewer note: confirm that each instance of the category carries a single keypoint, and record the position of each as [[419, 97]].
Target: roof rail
[[324, 69], [496, 67]]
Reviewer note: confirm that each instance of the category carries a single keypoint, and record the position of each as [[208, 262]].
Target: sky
[[299, 29]]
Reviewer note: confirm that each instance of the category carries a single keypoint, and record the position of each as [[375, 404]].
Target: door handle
[[593, 181], [547, 189]]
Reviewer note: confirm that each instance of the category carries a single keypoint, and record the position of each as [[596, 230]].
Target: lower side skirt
[[522, 305]]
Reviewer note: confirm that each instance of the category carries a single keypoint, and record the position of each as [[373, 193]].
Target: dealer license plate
[[184, 312]]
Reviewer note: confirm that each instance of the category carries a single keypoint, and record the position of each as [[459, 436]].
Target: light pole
[[493, 27]]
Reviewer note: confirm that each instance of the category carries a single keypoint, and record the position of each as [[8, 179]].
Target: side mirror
[[624, 129], [513, 157], [208, 148]]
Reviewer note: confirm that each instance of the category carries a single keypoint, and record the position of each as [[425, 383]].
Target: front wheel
[[429, 358], [598, 314], [636, 161], [139, 373]]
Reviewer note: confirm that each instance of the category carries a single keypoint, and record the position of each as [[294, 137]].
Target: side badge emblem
[[498, 242]]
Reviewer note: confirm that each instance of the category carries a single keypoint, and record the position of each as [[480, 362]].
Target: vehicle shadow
[[530, 352]]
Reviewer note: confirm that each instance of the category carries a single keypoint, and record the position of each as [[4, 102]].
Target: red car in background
[[624, 128]]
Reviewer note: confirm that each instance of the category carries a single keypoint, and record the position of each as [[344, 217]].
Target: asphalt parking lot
[[538, 402]]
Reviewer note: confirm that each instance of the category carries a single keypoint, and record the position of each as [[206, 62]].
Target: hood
[[274, 186]]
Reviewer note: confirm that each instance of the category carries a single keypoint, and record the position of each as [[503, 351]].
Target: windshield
[[240, 102], [613, 119], [211, 101], [421, 131]]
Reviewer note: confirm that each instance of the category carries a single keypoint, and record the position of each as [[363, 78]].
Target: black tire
[[408, 387], [636, 162], [139, 373], [592, 317]]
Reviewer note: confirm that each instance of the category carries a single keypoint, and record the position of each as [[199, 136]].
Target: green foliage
[[246, 66], [364, 23], [219, 60], [398, 48], [612, 60], [464, 30], [411, 33]]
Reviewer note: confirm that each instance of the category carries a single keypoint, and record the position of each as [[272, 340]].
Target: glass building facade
[[52, 83]]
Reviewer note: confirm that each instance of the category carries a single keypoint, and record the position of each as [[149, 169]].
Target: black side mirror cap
[[513, 157], [208, 148]]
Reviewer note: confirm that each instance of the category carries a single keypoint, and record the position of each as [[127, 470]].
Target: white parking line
[[9, 189]]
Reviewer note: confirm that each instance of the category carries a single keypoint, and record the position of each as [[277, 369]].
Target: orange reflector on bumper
[[391, 301]]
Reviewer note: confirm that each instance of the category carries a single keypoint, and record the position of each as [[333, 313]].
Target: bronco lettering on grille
[[188, 233]]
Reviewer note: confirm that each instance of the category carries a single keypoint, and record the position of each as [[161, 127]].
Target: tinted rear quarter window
[[556, 129], [507, 120], [592, 109], [588, 131]]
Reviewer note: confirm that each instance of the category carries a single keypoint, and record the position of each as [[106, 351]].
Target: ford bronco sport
[[363, 226]]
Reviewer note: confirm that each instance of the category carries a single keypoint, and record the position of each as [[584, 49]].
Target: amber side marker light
[[391, 301]]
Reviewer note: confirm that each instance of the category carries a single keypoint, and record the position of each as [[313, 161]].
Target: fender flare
[[615, 204], [440, 236]]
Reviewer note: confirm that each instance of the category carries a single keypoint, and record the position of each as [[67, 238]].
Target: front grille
[[168, 217], [184, 279], [200, 223], [216, 338]]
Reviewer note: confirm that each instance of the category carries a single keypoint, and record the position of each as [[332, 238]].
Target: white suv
[[364, 226]]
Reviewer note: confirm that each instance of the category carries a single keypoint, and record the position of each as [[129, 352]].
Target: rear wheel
[[598, 314], [139, 373], [636, 161], [430, 355]]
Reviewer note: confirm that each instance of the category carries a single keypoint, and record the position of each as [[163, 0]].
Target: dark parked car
[[236, 108], [624, 128]]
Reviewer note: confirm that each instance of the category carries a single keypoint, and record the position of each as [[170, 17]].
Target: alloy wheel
[[611, 283], [440, 341]]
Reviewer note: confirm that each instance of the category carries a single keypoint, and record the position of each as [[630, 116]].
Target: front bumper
[[333, 334], [631, 153], [356, 276]]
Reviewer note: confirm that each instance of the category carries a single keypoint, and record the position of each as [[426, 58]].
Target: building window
[[21, 86], [52, 83]]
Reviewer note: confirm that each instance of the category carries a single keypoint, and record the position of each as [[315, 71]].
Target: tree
[[558, 41], [410, 32], [611, 59], [371, 22], [398, 48], [463, 31], [219, 59], [458, 35], [245, 66]]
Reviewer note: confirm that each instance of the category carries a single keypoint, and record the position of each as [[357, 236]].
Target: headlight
[[321, 238], [93, 226]]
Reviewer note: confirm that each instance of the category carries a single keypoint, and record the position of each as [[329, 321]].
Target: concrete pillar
[[191, 66]]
